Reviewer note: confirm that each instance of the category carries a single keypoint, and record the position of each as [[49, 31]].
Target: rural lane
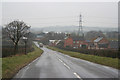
[[53, 64]]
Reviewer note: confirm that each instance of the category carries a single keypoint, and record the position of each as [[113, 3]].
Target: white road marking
[[29, 64], [77, 75], [66, 65], [60, 60], [24, 71], [69, 68], [27, 68], [33, 61], [106, 67]]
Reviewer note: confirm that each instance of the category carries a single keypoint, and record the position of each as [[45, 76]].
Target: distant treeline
[[103, 53]]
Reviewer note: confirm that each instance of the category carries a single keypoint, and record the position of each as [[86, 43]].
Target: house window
[[73, 41], [80, 45], [77, 41], [81, 42]]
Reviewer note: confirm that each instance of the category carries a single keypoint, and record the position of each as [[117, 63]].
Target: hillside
[[71, 29]]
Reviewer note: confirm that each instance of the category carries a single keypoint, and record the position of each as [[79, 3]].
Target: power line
[[46, 17], [63, 17], [76, 22], [56, 22], [99, 17], [100, 22]]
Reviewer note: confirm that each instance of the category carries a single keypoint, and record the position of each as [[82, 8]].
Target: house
[[54, 42], [99, 43], [39, 36], [37, 39], [68, 41], [90, 44], [75, 42], [113, 45], [79, 42]]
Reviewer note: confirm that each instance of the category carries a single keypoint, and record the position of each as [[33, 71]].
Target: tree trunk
[[25, 48], [15, 48]]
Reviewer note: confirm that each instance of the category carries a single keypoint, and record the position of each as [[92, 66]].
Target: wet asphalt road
[[54, 64]]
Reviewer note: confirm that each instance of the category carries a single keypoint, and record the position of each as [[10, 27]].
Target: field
[[112, 62], [11, 65]]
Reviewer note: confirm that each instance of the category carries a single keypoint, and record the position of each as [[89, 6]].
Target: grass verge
[[11, 65], [112, 62]]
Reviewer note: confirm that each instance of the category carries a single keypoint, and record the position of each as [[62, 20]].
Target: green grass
[[11, 65], [0, 68], [112, 62]]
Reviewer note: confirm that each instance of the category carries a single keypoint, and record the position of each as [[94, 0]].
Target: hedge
[[9, 50], [103, 53]]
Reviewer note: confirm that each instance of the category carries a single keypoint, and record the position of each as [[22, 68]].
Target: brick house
[[68, 42], [75, 42], [99, 43], [113, 45], [79, 42]]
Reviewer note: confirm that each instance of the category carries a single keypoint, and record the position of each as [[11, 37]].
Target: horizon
[[45, 14]]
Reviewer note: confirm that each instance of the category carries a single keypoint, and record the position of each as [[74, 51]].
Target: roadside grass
[[0, 68], [11, 65], [112, 62]]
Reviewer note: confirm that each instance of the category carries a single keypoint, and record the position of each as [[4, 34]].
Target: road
[[52, 64]]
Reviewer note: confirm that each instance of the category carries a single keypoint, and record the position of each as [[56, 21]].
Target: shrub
[[9, 50], [103, 53]]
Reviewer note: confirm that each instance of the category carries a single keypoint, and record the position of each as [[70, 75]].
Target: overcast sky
[[44, 14]]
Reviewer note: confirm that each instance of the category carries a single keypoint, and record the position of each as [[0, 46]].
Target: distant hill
[[71, 29]]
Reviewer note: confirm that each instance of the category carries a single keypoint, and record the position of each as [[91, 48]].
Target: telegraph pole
[[80, 30]]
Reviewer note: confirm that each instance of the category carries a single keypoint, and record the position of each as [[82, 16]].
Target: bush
[[9, 50], [103, 53]]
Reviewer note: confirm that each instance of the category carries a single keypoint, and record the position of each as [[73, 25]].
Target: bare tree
[[15, 31]]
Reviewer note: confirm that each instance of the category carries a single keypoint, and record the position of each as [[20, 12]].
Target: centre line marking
[[60, 60], [66, 65], [77, 75]]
